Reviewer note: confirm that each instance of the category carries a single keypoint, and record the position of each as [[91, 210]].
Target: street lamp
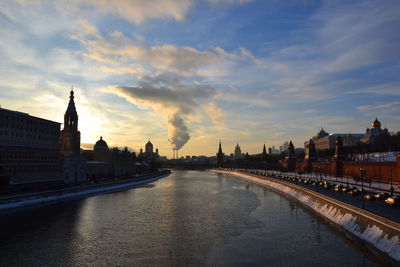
[[320, 177], [362, 174], [391, 183]]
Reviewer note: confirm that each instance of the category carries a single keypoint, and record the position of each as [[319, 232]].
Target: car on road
[[347, 188], [327, 185], [393, 201], [369, 196], [382, 196], [338, 188], [354, 192]]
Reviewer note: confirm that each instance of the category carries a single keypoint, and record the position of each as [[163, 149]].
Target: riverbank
[[378, 232], [18, 201]]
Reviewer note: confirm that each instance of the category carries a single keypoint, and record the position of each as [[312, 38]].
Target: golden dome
[[376, 123]]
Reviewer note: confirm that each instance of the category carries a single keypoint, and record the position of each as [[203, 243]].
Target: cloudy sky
[[186, 73]]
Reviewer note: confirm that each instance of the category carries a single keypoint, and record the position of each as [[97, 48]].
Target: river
[[190, 218]]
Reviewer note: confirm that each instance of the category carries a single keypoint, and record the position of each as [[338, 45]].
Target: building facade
[[325, 141], [372, 133], [29, 148], [110, 163], [238, 152]]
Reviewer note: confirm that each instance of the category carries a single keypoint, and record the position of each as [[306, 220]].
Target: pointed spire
[[71, 105], [264, 150], [71, 116], [220, 155]]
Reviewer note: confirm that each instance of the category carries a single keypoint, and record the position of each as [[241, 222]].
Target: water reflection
[[191, 218]]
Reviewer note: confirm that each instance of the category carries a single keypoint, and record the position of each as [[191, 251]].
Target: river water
[[190, 218]]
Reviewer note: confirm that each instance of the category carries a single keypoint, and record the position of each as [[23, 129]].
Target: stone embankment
[[18, 201], [377, 232]]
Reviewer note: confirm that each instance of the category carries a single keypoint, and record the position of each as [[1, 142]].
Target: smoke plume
[[171, 97], [178, 132]]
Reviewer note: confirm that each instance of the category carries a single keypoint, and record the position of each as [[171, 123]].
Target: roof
[[346, 134], [27, 115], [101, 144]]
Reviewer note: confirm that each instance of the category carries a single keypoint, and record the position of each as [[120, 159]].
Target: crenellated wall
[[378, 171], [381, 171]]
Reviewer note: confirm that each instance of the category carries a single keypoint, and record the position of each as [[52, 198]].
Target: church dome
[[149, 147], [101, 144], [376, 123], [149, 144]]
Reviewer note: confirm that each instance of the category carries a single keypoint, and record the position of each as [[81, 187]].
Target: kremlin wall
[[384, 171], [338, 165]]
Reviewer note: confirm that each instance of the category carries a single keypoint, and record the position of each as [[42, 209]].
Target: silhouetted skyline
[[189, 73]]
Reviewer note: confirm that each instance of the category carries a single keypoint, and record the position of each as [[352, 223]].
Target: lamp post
[[362, 173], [320, 178], [391, 183]]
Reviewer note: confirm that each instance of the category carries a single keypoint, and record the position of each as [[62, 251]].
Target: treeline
[[270, 162]]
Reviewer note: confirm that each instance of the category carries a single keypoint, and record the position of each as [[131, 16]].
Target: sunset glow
[[187, 73]]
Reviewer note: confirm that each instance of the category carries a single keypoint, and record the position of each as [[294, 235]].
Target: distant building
[[149, 154], [289, 163], [220, 156], [148, 160], [73, 165], [238, 152], [110, 163], [264, 152], [272, 150], [29, 148], [371, 134], [323, 140], [284, 146]]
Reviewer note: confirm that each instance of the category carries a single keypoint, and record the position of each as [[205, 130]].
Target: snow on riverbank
[[372, 234], [41, 200]]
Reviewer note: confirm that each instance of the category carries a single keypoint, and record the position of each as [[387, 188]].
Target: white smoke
[[178, 132], [168, 95]]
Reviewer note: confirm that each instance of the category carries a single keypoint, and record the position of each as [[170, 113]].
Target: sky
[[188, 73]]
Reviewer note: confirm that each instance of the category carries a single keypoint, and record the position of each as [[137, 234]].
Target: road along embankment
[[76, 192], [377, 232]]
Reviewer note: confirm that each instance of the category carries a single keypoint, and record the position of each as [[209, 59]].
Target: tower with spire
[[70, 136], [291, 158], [73, 166], [264, 152], [310, 156], [220, 156]]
